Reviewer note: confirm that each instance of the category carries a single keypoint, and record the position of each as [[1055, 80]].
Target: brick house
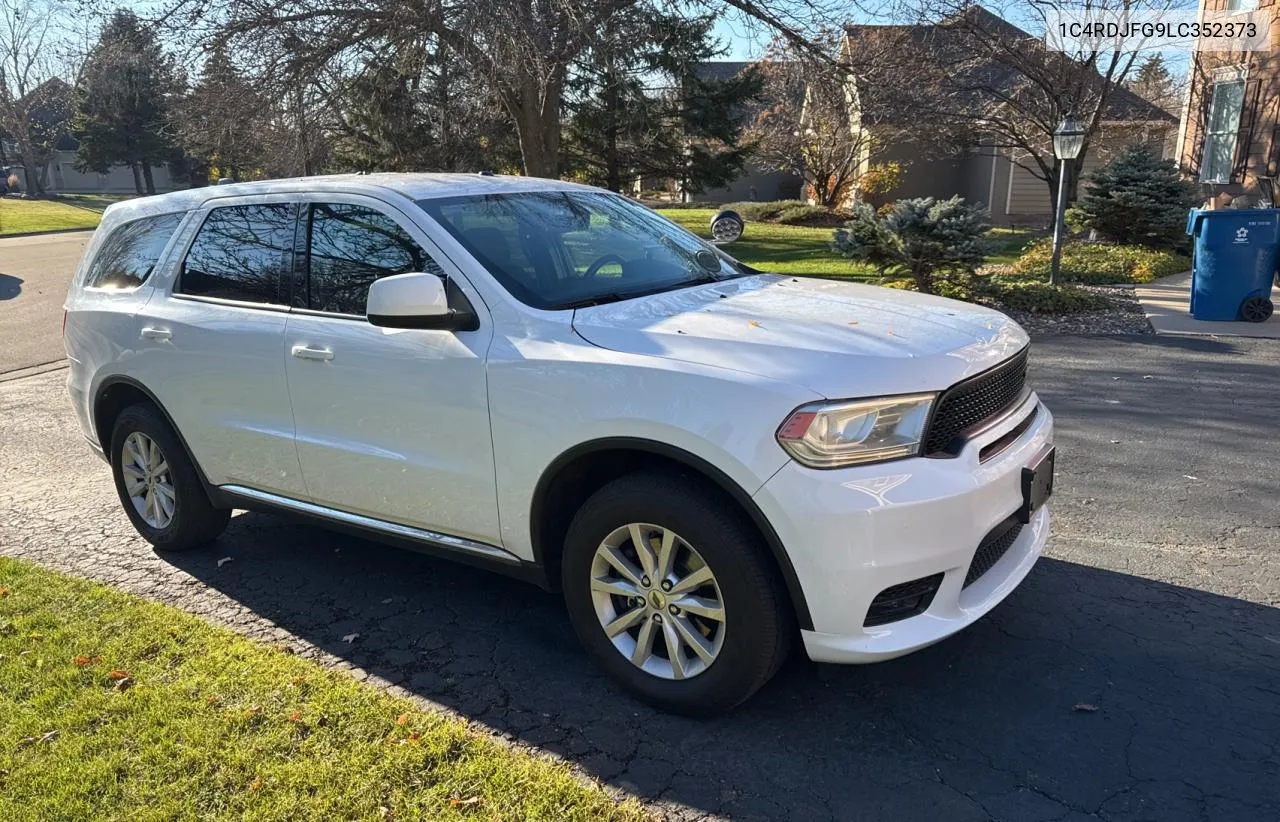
[[1230, 135]]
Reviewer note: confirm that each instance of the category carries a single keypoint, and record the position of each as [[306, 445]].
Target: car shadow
[[1087, 690], [10, 286]]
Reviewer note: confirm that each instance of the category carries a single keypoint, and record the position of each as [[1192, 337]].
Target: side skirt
[[445, 546]]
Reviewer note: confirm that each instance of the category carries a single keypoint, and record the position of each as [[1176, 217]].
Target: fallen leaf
[[118, 674], [255, 785], [297, 680], [224, 561], [296, 716], [254, 711], [402, 719], [459, 803], [1147, 377], [1115, 442], [125, 684], [1084, 707], [388, 600], [87, 660], [37, 635], [4, 592], [350, 638], [853, 322], [754, 324], [414, 736], [211, 700], [1188, 476]]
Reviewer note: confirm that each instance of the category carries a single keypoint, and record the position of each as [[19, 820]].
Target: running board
[[451, 543]]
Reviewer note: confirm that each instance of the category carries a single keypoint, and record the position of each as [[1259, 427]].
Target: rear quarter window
[[131, 252]]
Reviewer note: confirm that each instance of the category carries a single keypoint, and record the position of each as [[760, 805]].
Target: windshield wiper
[[618, 296]]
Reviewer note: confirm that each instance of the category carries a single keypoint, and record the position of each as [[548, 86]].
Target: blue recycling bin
[[1236, 251]]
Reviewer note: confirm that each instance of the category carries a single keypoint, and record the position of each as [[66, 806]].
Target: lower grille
[[902, 601], [993, 546]]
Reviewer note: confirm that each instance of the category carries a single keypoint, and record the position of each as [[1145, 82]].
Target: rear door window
[[129, 255], [241, 253], [350, 246]]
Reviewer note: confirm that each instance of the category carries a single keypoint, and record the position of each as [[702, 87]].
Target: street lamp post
[[1068, 139]]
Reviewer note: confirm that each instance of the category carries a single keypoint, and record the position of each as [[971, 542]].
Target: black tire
[[195, 521], [758, 625]]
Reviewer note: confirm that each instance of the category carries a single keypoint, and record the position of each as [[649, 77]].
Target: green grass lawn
[[782, 249], [804, 251], [23, 216], [116, 708], [97, 202]]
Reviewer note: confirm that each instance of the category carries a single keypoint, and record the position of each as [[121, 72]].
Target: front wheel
[[671, 592]]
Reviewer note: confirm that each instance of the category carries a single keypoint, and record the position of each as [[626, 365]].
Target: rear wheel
[[671, 592], [158, 485]]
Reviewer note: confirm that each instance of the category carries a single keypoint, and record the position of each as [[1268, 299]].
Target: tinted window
[[350, 247], [240, 253], [131, 252]]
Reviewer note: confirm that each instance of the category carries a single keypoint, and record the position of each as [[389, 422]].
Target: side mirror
[[417, 301]]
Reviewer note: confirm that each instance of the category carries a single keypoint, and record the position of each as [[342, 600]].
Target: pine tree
[[122, 102], [637, 107], [220, 120], [1138, 198], [1154, 83]]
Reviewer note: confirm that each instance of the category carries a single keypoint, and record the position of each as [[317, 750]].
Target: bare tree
[[523, 49], [32, 108], [989, 77]]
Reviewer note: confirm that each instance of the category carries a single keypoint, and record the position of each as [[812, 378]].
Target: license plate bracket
[[1037, 485]]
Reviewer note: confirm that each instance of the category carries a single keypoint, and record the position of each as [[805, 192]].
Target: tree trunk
[[536, 112], [137, 179], [150, 181], [34, 189]]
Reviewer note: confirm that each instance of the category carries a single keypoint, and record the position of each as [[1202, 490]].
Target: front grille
[[993, 546], [968, 404], [902, 601]]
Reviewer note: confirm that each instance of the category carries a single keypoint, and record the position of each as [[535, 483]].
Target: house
[[757, 182], [1230, 137], [59, 175], [979, 163]]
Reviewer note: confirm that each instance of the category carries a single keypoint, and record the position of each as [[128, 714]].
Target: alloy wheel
[[147, 480], [658, 601]]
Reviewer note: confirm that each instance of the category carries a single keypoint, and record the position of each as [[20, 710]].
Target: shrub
[[808, 215], [878, 180], [15, 185], [1100, 263], [928, 240], [1036, 297], [1138, 198], [765, 211]]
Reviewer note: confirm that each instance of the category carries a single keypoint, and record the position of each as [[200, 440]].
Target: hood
[[837, 339]]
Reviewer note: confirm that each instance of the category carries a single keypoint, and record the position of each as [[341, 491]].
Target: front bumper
[[852, 533]]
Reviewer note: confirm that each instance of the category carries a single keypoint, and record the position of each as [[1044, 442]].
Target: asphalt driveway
[[1135, 675], [34, 275]]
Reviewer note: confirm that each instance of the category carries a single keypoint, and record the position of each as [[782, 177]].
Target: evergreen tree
[[123, 100], [637, 107], [421, 109], [1154, 82], [1138, 198], [220, 122]]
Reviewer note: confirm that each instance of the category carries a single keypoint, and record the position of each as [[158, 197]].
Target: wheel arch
[[112, 396], [569, 479]]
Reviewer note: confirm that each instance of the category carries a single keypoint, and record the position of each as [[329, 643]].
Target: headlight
[[831, 435]]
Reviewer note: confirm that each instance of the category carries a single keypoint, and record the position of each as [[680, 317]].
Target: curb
[[33, 370], [44, 233]]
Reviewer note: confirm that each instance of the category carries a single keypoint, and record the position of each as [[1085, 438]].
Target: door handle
[[306, 352], [161, 334]]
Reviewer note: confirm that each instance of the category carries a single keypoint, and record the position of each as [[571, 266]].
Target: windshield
[[565, 249]]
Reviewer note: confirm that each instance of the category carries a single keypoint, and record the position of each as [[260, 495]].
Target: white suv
[[555, 382]]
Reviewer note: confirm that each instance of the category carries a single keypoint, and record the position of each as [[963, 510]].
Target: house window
[[1242, 5], [1220, 136]]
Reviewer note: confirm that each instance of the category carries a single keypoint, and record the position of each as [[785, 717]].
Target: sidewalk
[[1167, 304]]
